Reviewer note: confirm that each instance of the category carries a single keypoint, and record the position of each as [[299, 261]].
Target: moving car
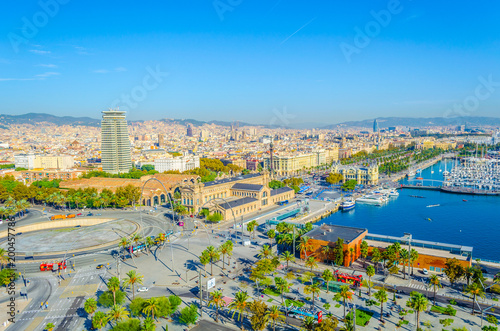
[[99, 266], [142, 289]]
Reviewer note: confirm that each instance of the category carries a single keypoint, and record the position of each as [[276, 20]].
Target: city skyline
[[247, 62]]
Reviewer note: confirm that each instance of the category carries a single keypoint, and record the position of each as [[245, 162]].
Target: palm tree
[[133, 278], [496, 278], [214, 255], [435, 284], [252, 226], [381, 296], [124, 242], [117, 313], [403, 257], [288, 257], [226, 249], [240, 305], [151, 307], [217, 302], [476, 290], [304, 245], [327, 277], [326, 251], [99, 320], [308, 323], [271, 234], [370, 271], [418, 303], [345, 294], [351, 254], [4, 259], [90, 306], [311, 263], [149, 324], [149, 243], [281, 285], [204, 259], [275, 315], [265, 252], [468, 273], [113, 286], [413, 258], [313, 289]]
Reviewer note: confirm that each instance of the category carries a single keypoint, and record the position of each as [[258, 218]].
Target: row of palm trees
[[13, 208], [265, 315]]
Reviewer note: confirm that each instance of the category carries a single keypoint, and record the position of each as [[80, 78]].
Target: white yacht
[[372, 199]]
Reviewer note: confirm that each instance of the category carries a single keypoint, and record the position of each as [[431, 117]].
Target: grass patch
[[271, 291], [296, 303], [337, 305], [371, 302], [448, 310], [362, 317], [270, 300], [494, 299], [453, 301]]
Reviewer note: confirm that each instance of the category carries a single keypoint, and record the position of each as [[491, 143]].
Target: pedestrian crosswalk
[[418, 286]]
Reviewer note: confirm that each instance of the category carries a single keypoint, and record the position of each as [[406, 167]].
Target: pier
[[455, 190]]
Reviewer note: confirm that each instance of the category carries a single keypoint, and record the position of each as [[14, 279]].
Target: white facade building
[[115, 143], [61, 162], [181, 163], [26, 161]]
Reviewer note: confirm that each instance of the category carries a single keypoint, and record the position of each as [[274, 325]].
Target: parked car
[[142, 289], [79, 214], [425, 272], [90, 214], [99, 266]]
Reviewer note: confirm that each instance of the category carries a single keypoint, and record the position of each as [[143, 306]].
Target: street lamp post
[[409, 236]]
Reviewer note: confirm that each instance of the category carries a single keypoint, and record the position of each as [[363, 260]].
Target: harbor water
[[433, 216]]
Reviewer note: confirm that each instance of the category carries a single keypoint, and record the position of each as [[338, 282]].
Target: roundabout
[[69, 237]]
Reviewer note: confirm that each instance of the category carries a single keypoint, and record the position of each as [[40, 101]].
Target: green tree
[[240, 305], [327, 277], [151, 307], [311, 263], [214, 255], [345, 294], [281, 285], [435, 283], [133, 278], [136, 306], [117, 313], [274, 315], [308, 323], [252, 226], [189, 315], [149, 324], [271, 234], [339, 252], [370, 272], [226, 249], [217, 302], [258, 320], [419, 303], [312, 289], [49, 327], [304, 245], [381, 296], [99, 320], [90, 306], [113, 286], [475, 290], [288, 257], [454, 270]]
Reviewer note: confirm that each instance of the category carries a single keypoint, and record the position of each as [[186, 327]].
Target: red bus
[[53, 266], [349, 279]]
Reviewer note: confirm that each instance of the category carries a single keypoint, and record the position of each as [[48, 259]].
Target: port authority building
[[431, 255], [233, 197]]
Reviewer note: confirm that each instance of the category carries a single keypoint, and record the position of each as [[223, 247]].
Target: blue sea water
[[475, 222]]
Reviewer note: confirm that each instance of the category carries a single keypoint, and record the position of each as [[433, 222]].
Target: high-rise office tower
[[161, 140], [375, 126], [115, 144], [189, 130]]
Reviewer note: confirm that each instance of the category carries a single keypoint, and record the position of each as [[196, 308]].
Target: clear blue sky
[[244, 60]]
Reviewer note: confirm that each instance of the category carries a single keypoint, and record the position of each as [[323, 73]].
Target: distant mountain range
[[383, 122], [34, 118]]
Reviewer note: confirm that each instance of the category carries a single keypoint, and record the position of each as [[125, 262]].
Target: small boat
[[347, 205], [419, 178], [429, 220], [464, 200], [430, 206], [417, 196]]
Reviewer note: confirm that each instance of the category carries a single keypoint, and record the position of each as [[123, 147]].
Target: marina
[[471, 222]]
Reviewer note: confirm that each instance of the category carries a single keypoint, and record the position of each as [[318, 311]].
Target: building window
[[431, 268]]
